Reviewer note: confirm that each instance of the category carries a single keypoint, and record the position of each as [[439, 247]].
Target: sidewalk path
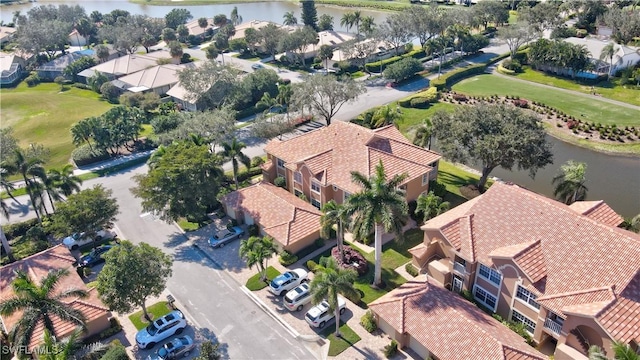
[[572, 92]]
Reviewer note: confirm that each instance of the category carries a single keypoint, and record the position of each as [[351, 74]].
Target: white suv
[[287, 281], [318, 315], [166, 326], [298, 297], [77, 240]]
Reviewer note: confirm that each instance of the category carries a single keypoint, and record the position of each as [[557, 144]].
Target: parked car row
[[163, 328], [297, 293]]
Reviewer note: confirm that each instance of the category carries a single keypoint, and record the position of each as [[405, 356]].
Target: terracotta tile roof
[[567, 258], [344, 147], [38, 266], [437, 318], [622, 317], [599, 211], [418, 250], [280, 214], [558, 302], [451, 232]]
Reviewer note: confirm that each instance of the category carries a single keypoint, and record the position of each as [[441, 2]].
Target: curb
[[293, 332]]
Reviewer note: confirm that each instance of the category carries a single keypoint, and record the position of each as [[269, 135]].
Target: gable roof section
[[38, 266], [621, 317], [437, 318], [150, 78], [62, 62], [281, 214], [599, 211], [342, 147], [128, 64]]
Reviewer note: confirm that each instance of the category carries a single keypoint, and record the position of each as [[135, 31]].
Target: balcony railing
[[553, 326], [459, 268]]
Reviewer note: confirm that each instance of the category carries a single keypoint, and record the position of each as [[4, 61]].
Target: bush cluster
[[391, 349], [351, 259], [12, 231], [452, 77], [376, 66], [286, 258], [368, 322], [420, 100], [312, 265], [411, 270], [83, 155], [32, 80]]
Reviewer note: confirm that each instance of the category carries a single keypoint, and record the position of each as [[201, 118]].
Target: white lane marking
[[225, 330]]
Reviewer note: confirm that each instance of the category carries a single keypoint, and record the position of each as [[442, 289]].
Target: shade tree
[[309, 14], [177, 17]]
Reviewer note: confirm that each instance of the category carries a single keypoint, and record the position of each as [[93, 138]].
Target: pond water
[[614, 179], [269, 10]]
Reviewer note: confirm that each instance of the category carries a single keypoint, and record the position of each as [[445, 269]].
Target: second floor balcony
[[552, 325], [460, 268]]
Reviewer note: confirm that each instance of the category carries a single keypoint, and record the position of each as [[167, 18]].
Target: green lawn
[[453, 178], [44, 115], [584, 108], [411, 117], [156, 310], [187, 225], [338, 345], [254, 283], [607, 89], [401, 253]]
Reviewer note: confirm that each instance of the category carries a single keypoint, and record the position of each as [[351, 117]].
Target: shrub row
[[83, 155], [252, 110], [286, 258], [368, 322], [411, 270], [421, 99], [376, 66], [452, 77], [12, 231], [505, 71]]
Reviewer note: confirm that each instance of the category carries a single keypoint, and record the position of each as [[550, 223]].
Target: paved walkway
[[572, 92]]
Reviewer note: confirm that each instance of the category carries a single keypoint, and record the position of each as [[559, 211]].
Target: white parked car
[[287, 281], [166, 326], [295, 299], [319, 315], [77, 240]]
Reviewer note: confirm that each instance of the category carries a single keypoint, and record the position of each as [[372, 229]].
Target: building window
[[315, 187], [281, 163], [527, 297], [297, 177], [316, 203], [425, 179], [297, 192], [346, 196], [528, 323], [489, 274], [485, 298]]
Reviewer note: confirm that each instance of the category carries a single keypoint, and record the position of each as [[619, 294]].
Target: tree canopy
[[131, 274], [184, 182], [493, 135], [326, 94]]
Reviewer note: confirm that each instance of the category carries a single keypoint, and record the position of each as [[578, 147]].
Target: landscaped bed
[[254, 283], [337, 345], [156, 311]]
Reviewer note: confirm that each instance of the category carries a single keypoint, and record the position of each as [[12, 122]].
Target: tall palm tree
[[621, 351], [7, 185], [203, 23], [233, 152], [367, 25], [155, 157], [347, 20], [82, 132], [68, 348], [28, 167], [47, 185], [65, 181], [381, 206], [267, 101], [235, 18], [608, 51], [257, 251], [39, 303], [386, 115], [424, 134], [329, 281], [334, 214], [431, 205], [357, 19], [289, 18], [570, 182]]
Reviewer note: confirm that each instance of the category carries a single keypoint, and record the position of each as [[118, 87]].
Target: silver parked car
[[179, 347], [224, 236]]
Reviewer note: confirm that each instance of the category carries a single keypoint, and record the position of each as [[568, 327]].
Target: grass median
[[339, 344], [254, 283], [156, 311]]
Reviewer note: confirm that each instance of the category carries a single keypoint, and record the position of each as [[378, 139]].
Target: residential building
[[158, 79], [6, 34], [38, 266], [319, 163], [253, 24], [55, 67], [291, 221], [625, 56], [125, 65], [568, 273], [330, 38], [195, 29], [437, 324], [11, 68], [75, 39]]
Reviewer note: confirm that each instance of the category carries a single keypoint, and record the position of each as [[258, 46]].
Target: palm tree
[[621, 351], [357, 18], [28, 167], [329, 281], [65, 181], [431, 205], [608, 51], [381, 206], [68, 348], [367, 25], [267, 101], [386, 115], [212, 52], [570, 182], [236, 19], [257, 251], [347, 20], [334, 214], [203, 23], [6, 184], [40, 304], [82, 132], [154, 159], [289, 18], [233, 151], [49, 186], [423, 134]]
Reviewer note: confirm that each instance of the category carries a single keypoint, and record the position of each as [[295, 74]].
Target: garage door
[[418, 348], [248, 219]]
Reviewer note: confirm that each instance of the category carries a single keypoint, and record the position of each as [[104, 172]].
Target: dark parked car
[[95, 257]]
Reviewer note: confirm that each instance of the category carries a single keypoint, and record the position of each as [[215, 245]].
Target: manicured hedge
[[505, 71], [452, 77], [375, 66], [494, 60], [420, 99], [18, 229], [83, 155]]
